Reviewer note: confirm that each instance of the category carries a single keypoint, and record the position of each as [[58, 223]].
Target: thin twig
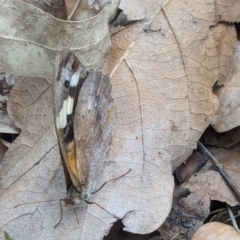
[[220, 168], [232, 218], [229, 219], [217, 211], [218, 216]]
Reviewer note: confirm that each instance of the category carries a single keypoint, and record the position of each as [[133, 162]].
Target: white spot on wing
[[74, 79], [67, 107], [70, 102], [63, 115]]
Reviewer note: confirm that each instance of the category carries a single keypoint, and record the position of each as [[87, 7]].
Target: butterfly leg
[[60, 202]]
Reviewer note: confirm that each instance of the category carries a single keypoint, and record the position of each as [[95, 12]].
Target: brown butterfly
[[83, 114]]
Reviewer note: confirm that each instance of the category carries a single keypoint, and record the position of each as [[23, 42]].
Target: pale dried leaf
[[150, 50], [27, 52], [214, 185], [163, 93], [228, 11], [144, 9], [216, 230], [212, 182], [228, 114], [162, 73]]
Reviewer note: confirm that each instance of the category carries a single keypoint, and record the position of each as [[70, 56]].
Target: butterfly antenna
[[111, 180], [60, 203], [51, 200]]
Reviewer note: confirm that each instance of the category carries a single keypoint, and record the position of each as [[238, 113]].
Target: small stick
[[232, 218], [220, 168]]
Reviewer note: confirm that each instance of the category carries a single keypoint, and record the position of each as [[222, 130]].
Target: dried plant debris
[[224, 139], [186, 217], [193, 164], [210, 180]]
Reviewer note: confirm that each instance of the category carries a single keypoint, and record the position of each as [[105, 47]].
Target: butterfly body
[[82, 106]]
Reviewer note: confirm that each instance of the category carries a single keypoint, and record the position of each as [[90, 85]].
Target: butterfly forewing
[[92, 132]]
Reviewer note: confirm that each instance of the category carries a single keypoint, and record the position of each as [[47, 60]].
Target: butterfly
[[83, 113]]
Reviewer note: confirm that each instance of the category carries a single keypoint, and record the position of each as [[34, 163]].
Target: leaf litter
[[162, 69]]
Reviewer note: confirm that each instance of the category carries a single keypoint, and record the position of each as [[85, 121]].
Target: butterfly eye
[[66, 83]]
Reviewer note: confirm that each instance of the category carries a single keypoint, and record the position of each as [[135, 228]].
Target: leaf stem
[[220, 168]]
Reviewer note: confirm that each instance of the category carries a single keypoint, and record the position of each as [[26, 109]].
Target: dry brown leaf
[[212, 182], [216, 230], [228, 114], [27, 52], [162, 70]]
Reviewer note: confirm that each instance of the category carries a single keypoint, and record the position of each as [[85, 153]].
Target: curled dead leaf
[[216, 230], [27, 52]]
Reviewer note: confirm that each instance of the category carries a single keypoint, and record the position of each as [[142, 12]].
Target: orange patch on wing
[[111, 114], [71, 156]]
